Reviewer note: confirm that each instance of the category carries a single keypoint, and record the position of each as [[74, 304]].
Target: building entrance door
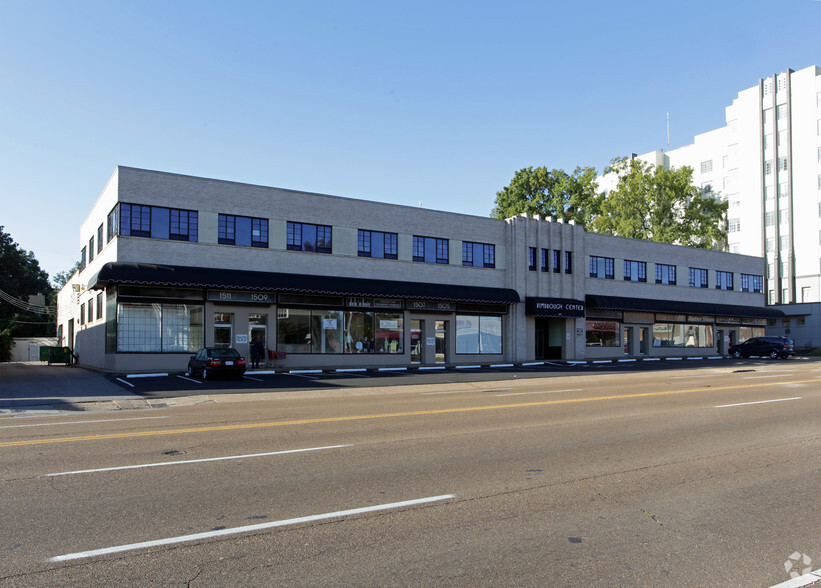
[[549, 336], [720, 341], [441, 341], [417, 330], [257, 331], [223, 329], [644, 340], [628, 340]]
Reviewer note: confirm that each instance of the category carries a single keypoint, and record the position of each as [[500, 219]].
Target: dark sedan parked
[[212, 361], [771, 347]]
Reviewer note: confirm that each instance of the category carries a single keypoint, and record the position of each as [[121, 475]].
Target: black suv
[[771, 347]]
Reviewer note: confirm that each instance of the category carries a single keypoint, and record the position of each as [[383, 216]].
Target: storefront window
[[745, 333], [294, 330], [337, 331], [158, 328], [358, 332], [602, 333], [478, 334], [326, 331], [682, 335], [389, 333]]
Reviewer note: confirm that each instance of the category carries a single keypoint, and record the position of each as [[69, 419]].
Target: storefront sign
[[242, 339], [359, 302], [431, 305], [242, 297], [554, 307]]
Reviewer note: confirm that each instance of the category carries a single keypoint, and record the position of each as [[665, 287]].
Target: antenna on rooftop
[[668, 131]]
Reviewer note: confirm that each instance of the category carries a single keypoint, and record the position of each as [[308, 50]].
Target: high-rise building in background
[[766, 162]]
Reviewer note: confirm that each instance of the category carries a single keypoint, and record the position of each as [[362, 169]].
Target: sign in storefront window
[[335, 331], [682, 335]]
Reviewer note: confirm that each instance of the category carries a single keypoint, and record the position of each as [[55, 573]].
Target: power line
[[27, 306]]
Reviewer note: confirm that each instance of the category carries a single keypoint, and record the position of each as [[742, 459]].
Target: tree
[[658, 204], [20, 277], [60, 279], [553, 193]]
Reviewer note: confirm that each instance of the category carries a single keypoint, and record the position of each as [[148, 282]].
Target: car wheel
[[773, 354], [736, 354]]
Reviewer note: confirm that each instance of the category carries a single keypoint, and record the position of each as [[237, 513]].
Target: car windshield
[[224, 353]]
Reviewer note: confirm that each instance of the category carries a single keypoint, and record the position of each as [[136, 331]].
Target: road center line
[[82, 422], [188, 461], [758, 402], [249, 528], [541, 392], [341, 419]]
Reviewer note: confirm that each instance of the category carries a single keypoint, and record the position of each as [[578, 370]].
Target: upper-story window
[[724, 280], [99, 238], [602, 267], [665, 274], [182, 225], [242, 230], [478, 254], [707, 166], [91, 250], [635, 271], [556, 256], [698, 277], [82, 259], [308, 237], [531, 252], [568, 262], [543, 259], [113, 224], [135, 220], [377, 244], [158, 222], [430, 249], [752, 283]]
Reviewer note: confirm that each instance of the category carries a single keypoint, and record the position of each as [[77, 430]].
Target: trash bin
[[59, 355]]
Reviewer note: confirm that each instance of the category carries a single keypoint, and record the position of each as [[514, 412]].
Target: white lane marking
[[306, 376], [801, 581], [250, 378], [542, 392], [161, 375], [468, 367], [689, 377], [775, 376], [82, 422], [189, 379], [759, 402], [124, 382], [249, 528], [186, 461]]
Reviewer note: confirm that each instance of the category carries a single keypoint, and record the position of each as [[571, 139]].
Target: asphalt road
[[704, 476]]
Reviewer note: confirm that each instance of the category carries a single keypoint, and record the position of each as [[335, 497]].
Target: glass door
[[644, 339], [628, 340], [223, 329], [417, 327], [441, 341]]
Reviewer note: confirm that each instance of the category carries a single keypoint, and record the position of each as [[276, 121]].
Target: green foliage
[[659, 204], [5, 337], [20, 277], [62, 278], [552, 193]]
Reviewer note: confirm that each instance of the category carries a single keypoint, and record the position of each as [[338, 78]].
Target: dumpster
[[59, 355], [44, 351]]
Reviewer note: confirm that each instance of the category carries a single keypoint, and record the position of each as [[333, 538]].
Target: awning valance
[[201, 277], [679, 307]]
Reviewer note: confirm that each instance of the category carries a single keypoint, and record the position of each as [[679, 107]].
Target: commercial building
[[171, 263], [766, 162]]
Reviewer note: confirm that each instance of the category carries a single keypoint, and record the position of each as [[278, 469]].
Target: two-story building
[[172, 263]]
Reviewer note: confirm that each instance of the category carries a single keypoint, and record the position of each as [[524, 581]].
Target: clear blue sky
[[403, 102]]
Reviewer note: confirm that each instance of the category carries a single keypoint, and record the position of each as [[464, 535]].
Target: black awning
[[679, 307], [144, 274]]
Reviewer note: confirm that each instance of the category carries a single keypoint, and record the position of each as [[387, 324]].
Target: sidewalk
[[37, 386]]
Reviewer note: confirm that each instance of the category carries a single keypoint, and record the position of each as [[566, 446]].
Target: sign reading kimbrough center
[[554, 307]]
